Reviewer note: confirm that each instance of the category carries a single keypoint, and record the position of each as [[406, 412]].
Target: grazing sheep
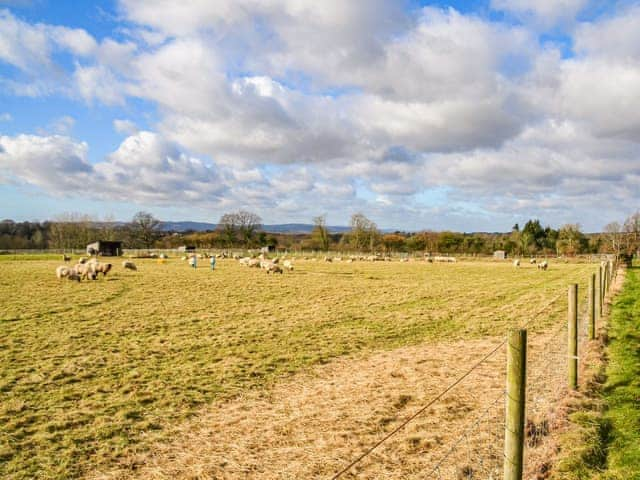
[[244, 261], [66, 258], [328, 259], [288, 264], [532, 261], [403, 259], [163, 256], [73, 275], [273, 268], [83, 260], [86, 271], [543, 266], [62, 271], [516, 262], [103, 268], [254, 263], [127, 265]]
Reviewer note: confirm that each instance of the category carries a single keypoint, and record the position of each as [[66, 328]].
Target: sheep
[[103, 268], [86, 271], [73, 275], [543, 266], [532, 261], [66, 258], [404, 259], [83, 260], [127, 265], [337, 259], [328, 259], [516, 262], [62, 271], [163, 256], [244, 261], [288, 264], [254, 263], [273, 268]]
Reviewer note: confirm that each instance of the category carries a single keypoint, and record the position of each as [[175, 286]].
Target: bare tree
[[320, 233], [613, 232], [239, 226], [144, 228], [70, 230], [364, 233]]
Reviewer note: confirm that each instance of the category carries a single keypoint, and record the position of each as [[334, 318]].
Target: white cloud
[[274, 104], [125, 126], [544, 12], [55, 163]]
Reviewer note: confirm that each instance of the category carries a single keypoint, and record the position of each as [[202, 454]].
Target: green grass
[[622, 390], [95, 371], [603, 441]]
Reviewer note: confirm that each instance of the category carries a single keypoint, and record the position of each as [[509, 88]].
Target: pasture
[[95, 376]]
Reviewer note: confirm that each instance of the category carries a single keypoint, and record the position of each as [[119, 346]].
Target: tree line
[[243, 229]]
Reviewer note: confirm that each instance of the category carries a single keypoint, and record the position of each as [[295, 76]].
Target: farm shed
[[187, 248], [499, 254], [105, 248]]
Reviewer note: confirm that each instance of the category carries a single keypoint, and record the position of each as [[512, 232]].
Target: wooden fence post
[[573, 336], [591, 305], [599, 295], [515, 404]]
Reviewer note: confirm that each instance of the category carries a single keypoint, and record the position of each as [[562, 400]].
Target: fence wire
[[477, 450]]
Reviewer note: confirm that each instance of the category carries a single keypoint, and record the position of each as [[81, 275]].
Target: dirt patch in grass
[[314, 424]]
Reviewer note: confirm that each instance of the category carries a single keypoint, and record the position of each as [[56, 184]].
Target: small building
[[187, 248], [499, 255], [106, 248]]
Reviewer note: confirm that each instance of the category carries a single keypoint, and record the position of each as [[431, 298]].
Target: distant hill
[[279, 228]]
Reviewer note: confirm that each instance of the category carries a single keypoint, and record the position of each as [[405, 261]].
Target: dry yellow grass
[[95, 374]]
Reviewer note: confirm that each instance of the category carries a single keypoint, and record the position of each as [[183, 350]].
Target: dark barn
[[105, 248]]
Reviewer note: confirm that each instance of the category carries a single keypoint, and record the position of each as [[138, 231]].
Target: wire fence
[[478, 451]]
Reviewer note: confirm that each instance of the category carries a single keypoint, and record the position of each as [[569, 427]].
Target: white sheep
[[103, 268], [288, 264], [62, 271], [66, 258], [516, 262], [543, 266], [273, 268], [127, 265]]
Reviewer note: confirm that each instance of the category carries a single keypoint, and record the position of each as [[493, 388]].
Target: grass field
[[93, 372]]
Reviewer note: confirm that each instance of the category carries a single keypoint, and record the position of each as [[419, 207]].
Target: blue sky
[[441, 115]]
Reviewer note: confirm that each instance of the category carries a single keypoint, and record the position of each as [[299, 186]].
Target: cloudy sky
[[466, 115]]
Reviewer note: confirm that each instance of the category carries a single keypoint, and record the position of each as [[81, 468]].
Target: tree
[[239, 226], [144, 228], [571, 240], [632, 228], [393, 242], [320, 233], [364, 233], [613, 233]]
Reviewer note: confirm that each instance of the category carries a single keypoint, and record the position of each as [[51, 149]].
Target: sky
[[461, 115]]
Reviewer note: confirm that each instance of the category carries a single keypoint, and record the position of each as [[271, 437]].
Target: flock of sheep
[[269, 265], [541, 266], [87, 269], [90, 268]]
